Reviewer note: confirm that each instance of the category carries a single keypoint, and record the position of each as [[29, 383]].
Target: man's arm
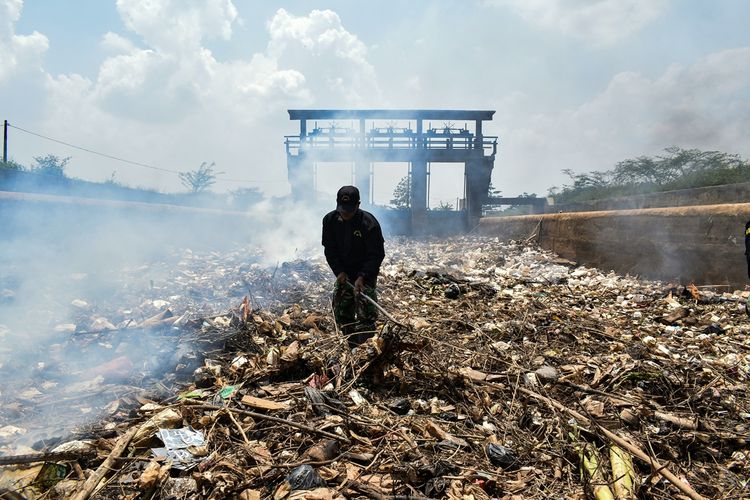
[[375, 253], [331, 248]]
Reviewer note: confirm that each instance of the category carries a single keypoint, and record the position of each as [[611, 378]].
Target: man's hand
[[359, 285], [341, 278]]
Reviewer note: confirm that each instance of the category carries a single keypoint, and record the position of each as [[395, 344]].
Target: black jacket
[[354, 246]]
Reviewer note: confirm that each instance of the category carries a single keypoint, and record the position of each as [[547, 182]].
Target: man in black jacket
[[353, 243]]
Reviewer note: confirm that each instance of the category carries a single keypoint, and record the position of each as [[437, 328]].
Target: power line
[[105, 155], [95, 152], [226, 179]]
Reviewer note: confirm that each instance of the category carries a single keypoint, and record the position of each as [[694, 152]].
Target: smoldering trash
[[504, 371]]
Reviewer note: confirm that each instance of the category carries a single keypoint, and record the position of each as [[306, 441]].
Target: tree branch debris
[[499, 371]]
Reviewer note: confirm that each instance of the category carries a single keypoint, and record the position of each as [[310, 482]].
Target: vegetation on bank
[[676, 168], [48, 175]]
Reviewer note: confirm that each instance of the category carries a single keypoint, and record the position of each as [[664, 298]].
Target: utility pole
[[5, 141]]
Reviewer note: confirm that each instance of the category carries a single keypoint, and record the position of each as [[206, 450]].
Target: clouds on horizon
[[173, 95], [703, 105]]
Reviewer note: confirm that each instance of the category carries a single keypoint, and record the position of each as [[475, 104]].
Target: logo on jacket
[[358, 233]]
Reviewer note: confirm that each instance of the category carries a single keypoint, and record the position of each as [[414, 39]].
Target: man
[[353, 243], [747, 256]]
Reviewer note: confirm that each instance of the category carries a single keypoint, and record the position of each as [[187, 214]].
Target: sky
[[576, 84]]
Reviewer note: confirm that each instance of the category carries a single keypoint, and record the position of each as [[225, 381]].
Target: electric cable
[[131, 162]]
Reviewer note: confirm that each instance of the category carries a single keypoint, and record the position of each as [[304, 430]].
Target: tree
[[50, 165], [200, 179], [677, 168], [11, 165], [111, 181], [445, 205], [402, 194]]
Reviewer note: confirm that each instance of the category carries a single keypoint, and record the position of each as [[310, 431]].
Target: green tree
[[201, 179], [445, 205], [676, 168], [50, 165], [402, 194]]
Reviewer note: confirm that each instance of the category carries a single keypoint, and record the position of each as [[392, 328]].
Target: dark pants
[[355, 315]]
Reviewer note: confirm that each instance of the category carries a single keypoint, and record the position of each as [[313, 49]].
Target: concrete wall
[[711, 195], [701, 244]]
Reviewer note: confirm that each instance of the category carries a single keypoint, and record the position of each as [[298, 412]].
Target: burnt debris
[[500, 374]]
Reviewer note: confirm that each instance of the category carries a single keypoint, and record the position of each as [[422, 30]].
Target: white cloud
[[18, 53], [117, 44], [321, 48], [173, 104], [601, 22], [175, 77], [318, 32], [705, 105], [178, 25], [308, 58]]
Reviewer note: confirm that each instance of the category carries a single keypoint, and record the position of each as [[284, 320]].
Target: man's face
[[347, 215]]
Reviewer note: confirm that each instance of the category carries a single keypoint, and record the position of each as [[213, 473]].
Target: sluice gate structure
[[373, 136]]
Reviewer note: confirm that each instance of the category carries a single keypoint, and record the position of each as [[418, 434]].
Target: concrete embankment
[[700, 244], [44, 217]]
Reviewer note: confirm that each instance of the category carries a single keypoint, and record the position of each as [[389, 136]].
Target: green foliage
[[444, 205], [11, 165], [50, 165], [402, 194], [201, 179], [492, 192], [676, 169]]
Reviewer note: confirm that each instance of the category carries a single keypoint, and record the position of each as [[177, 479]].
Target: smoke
[[71, 272]]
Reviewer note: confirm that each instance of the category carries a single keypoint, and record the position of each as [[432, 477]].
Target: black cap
[[347, 199]]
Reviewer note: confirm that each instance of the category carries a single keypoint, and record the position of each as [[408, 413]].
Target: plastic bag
[[501, 456], [305, 477]]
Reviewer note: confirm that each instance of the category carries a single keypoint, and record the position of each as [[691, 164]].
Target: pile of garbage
[[500, 371]]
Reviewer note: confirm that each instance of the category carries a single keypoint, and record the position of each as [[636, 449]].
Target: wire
[[105, 155], [226, 179], [94, 152]]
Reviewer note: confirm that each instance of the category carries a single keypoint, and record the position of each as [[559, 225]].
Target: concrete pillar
[[418, 196], [362, 179], [300, 175], [478, 175]]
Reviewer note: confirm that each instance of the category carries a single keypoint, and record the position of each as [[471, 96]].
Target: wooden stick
[[239, 427], [93, 481], [621, 442], [685, 423], [379, 307], [273, 419], [43, 457]]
